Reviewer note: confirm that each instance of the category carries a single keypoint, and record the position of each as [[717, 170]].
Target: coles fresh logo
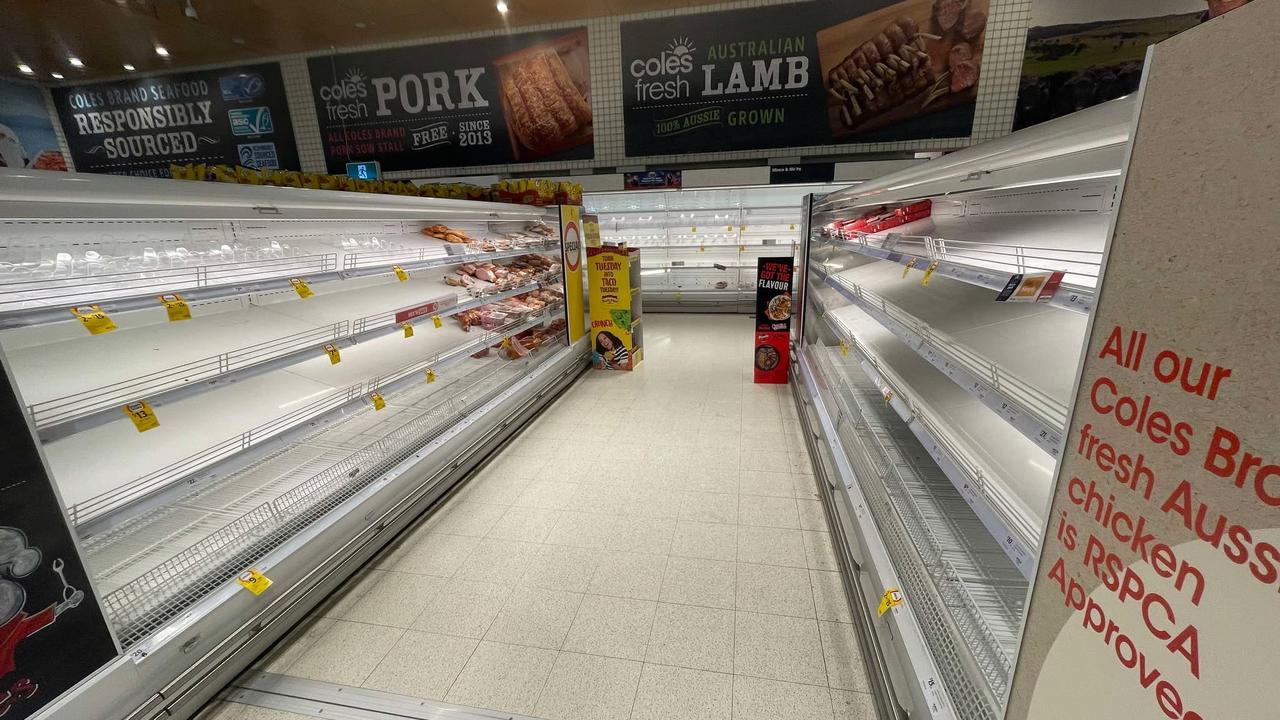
[[344, 100], [660, 77]]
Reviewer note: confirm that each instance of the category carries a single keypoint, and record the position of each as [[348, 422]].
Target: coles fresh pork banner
[[519, 98]]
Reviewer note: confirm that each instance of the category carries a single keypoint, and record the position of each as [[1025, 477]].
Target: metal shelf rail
[[183, 557], [1032, 411], [969, 610], [184, 472], [1015, 534]]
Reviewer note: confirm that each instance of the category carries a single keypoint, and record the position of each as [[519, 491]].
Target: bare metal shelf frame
[[99, 506], [1017, 535], [1033, 412]]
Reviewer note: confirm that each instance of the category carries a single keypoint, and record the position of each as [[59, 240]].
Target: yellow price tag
[[888, 398], [431, 375], [176, 307], [910, 264], [702, 248], [94, 320], [300, 286], [377, 400], [728, 228], [792, 227], [506, 343], [143, 417], [408, 330], [254, 581], [742, 228], [679, 295], [435, 320], [400, 273], [892, 598], [694, 228], [332, 351], [742, 248], [928, 273], [844, 348]]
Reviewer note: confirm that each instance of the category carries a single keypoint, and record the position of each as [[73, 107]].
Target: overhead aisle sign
[[812, 73], [52, 630], [1158, 588], [230, 116]]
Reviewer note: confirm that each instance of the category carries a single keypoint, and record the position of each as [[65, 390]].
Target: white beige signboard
[[1158, 589]]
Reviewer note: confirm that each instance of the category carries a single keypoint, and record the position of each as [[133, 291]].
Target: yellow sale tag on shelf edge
[[506, 343], [742, 248], [888, 398], [408, 330], [742, 228], [679, 295], [844, 348], [694, 228], [332, 351], [301, 287], [928, 273], [728, 228], [435, 320], [143, 417], [793, 227], [176, 307], [892, 598], [431, 375], [377, 400], [910, 264], [95, 321], [400, 273], [702, 248], [254, 581]]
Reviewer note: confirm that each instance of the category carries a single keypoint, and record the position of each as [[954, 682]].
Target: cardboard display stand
[[772, 347], [613, 275], [1158, 589]]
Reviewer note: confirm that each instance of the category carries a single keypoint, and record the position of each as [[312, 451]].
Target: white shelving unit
[[699, 247], [261, 435], [950, 408]]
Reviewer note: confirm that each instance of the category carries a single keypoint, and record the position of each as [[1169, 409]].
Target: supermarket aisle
[[650, 548]]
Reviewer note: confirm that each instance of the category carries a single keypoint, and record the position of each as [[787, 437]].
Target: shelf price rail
[[64, 416], [986, 265], [1033, 412], [35, 302], [934, 570], [150, 601], [84, 514], [1017, 536]]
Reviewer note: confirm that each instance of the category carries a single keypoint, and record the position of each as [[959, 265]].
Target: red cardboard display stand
[[771, 355]]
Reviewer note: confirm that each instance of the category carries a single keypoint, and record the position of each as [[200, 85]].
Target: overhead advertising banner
[[1158, 583], [518, 98], [816, 73], [27, 139], [52, 630], [230, 116], [1080, 54]]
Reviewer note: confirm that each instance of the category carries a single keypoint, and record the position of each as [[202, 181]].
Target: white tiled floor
[[651, 547]]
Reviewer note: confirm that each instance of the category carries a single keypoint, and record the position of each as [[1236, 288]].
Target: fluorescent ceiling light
[[502, 7], [25, 69], [75, 62], [129, 67], [162, 51], [56, 76]]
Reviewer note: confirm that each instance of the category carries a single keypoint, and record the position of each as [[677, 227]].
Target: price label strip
[[254, 581], [94, 320], [377, 400], [401, 275], [176, 307], [891, 599], [301, 287], [408, 330], [143, 417], [331, 350], [928, 273]]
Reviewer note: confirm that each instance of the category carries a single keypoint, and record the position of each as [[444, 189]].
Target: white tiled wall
[[997, 97]]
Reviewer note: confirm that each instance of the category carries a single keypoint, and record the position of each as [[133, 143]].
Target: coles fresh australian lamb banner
[[814, 73], [519, 98]]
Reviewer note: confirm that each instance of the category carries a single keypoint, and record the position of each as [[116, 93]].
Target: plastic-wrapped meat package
[[493, 319]]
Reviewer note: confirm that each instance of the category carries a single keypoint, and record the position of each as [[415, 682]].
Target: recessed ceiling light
[[129, 67], [362, 25], [75, 62], [25, 69], [238, 41], [502, 7], [162, 51], [56, 76]]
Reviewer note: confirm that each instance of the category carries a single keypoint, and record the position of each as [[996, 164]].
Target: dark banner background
[[234, 95], [785, 117], [40, 660], [347, 104]]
